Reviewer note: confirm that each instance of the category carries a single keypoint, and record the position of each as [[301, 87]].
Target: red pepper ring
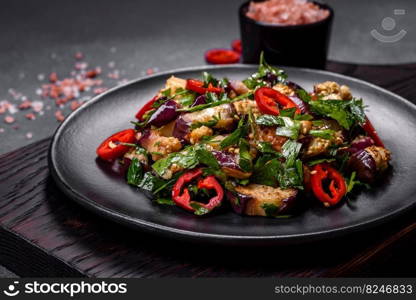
[[198, 87], [110, 149], [236, 45], [222, 56], [320, 175], [371, 131], [210, 183], [268, 100], [184, 199], [148, 106]]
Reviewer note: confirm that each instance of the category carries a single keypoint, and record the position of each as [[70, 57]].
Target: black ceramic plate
[[88, 181]]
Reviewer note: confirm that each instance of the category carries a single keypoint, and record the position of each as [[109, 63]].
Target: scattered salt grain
[[12, 109], [53, 77], [79, 55], [149, 71], [81, 65], [59, 116], [25, 105], [37, 106], [30, 116], [99, 90], [75, 104], [9, 119]]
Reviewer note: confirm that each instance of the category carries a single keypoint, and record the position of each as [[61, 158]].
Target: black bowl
[[289, 45]]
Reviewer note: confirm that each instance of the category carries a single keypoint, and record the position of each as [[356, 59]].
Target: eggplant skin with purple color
[[255, 144]]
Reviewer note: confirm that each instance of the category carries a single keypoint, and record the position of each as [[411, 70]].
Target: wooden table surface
[[42, 233]]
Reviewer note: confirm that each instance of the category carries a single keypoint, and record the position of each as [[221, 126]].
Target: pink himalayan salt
[[9, 119], [59, 116], [286, 12]]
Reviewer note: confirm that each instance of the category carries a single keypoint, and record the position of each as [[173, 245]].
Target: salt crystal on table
[[12, 109], [37, 106], [9, 119], [75, 104], [149, 71], [79, 55], [81, 65], [30, 116], [59, 116], [4, 105], [25, 105]]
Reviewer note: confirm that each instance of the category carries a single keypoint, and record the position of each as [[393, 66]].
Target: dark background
[[41, 36], [139, 37]]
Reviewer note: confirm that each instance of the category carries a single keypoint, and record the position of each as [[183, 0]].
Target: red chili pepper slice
[[324, 176], [268, 100], [222, 56], [148, 106], [110, 149], [183, 198], [236, 45], [198, 87], [371, 131], [210, 183]]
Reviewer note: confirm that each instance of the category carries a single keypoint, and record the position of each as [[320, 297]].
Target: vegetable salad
[[263, 146]]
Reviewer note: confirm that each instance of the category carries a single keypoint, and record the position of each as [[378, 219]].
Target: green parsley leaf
[[290, 130], [289, 112], [270, 209], [327, 134], [303, 95], [151, 183], [235, 136], [199, 209], [258, 79], [207, 158], [320, 161], [135, 172], [352, 183], [208, 78], [266, 170], [290, 151], [166, 92], [213, 104], [210, 123], [245, 159], [291, 176], [269, 120], [266, 147], [186, 159], [305, 117], [186, 98], [346, 112], [164, 201]]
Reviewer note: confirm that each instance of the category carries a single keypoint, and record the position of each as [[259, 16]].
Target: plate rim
[[190, 235]]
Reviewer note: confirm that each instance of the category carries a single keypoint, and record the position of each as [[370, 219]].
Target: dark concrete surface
[[41, 36]]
